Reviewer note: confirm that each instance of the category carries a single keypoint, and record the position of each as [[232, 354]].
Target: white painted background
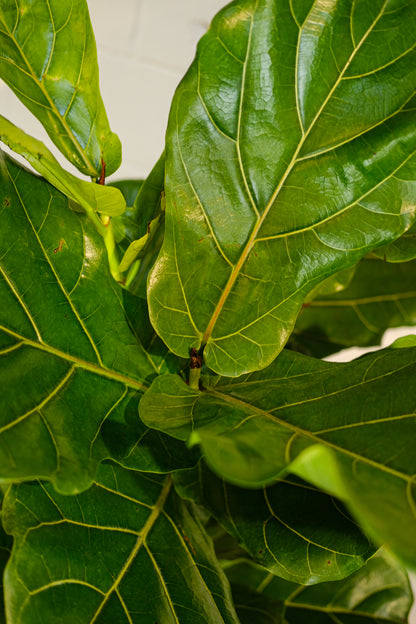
[[144, 48]]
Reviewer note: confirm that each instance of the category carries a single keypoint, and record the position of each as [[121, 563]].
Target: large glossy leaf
[[380, 295], [280, 168], [48, 57], [379, 593], [126, 551], [292, 529], [71, 369], [357, 419]]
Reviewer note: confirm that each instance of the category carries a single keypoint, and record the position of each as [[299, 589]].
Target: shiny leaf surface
[[92, 197], [357, 421], [379, 593], [380, 295], [280, 170], [48, 57], [292, 529], [71, 369], [401, 250], [126, 551]]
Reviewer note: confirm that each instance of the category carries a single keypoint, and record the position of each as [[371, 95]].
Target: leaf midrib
[[102, 371], [323, 303], [40, 85], [314, 435], [141, 541], [252, 239]]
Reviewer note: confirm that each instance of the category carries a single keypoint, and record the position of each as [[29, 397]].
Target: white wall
[[144, 48]]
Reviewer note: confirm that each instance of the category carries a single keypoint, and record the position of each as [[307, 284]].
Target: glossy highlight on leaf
[[280, 170], [48, 57], [347, 428], [112, 554]]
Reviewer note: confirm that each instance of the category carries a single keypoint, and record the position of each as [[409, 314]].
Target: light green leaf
[[49, 59], [126, 551], [92, 197], [380, 295], [71, 369], [138, 248], [281, 170], [379, 593], [148, 202], [125, 226], [359, 416], [292, 529], [404, 341]]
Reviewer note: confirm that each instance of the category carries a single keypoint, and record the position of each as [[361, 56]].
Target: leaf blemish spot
[[6, 202], [60, 246]]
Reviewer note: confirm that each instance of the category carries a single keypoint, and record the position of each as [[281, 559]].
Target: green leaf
[[92, 197], [292, 529], [49, 59], [71, 369], [137, 248], [148, 201], [357, 420], [280, 169], [378, 593], [127, 550], [401, 250], [380, 295], [163, 360], [130, 189]]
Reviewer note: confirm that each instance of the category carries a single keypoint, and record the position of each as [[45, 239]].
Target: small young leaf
[[92, 197], [138, 247]]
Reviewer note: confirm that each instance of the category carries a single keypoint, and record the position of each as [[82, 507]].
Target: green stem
[[112, 250], [132, 272], [194, 375]]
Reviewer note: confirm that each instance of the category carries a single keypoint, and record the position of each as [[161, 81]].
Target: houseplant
[[164, 458]]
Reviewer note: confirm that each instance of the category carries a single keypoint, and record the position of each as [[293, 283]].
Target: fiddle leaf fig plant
[[173, 447]]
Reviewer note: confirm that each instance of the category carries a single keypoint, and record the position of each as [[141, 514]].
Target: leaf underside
[[291, 528], [378, 593], [347, 428], [126, 551]]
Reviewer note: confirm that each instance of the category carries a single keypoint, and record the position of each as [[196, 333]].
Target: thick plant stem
[[194, 375]]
